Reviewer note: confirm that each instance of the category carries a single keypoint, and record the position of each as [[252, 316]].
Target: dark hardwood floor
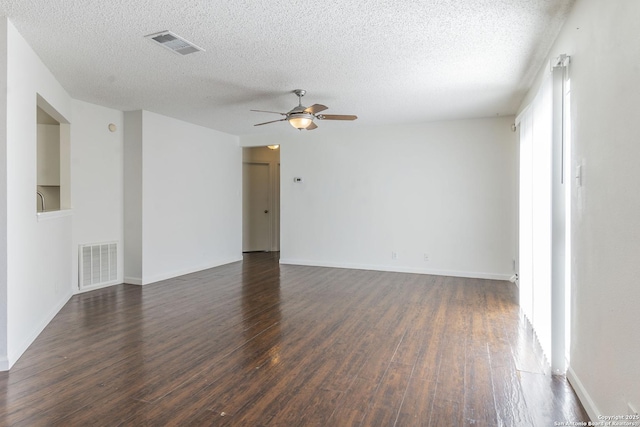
[[255, 344]]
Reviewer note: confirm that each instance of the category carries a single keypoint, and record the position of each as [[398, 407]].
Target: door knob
[[266, 211]]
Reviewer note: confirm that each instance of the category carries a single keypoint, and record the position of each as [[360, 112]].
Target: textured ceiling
[[387, 61]]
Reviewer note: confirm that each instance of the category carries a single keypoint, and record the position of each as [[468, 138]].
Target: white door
[[256, 206]]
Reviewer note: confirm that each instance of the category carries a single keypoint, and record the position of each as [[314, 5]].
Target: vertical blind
[[544, 242], [535, 213]]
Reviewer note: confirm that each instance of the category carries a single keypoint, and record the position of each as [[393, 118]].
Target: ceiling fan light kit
[[301, 117], [300, 120]]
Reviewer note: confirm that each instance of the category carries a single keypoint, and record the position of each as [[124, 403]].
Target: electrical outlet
[[394, 255], [426, 257], [632, 409]]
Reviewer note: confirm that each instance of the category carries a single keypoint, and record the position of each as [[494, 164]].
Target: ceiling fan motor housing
[[300, 116], [298, 109]]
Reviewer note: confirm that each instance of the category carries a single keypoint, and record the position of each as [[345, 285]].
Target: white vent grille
[[174, 43], [98, 265]]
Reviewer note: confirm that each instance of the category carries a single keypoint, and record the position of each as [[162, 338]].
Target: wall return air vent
[[174, 43], [98, 265]]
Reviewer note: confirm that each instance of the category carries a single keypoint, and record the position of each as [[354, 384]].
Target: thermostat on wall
[[297, 179]]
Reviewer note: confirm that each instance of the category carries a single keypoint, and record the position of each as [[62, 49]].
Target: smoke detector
[[174, 43]]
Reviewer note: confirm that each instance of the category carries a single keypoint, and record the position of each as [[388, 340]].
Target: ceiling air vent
[[174, 43]]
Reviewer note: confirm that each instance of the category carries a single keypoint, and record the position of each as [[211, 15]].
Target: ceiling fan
[[301, 117]]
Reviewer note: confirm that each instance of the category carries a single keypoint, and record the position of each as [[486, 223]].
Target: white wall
[[191, 198], [39, 261], [604, 44], [96, 179], [444, 189], [4, 361]]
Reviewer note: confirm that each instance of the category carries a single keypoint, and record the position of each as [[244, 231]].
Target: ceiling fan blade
[[336, 117], [274, 112], [272, 121], [312, 126], [315, 108]]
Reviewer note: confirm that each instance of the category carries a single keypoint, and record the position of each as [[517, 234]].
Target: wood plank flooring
[[258, 344]]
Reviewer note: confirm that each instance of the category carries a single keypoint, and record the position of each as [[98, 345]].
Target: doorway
[[260, 199]]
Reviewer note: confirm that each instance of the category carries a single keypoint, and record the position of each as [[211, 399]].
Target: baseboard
[[13, 356], [95, 288], [583, 395], [398, 269], [164, 276], [133, 280]]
